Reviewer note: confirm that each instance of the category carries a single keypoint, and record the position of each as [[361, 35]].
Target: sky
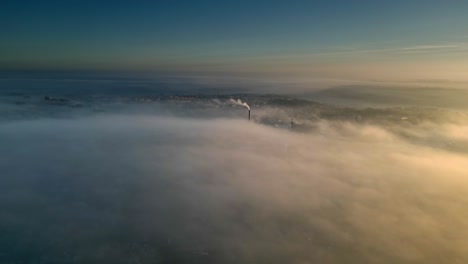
[[357, 40]]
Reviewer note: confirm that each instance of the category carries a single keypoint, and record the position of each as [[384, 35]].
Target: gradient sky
[[366, 40]]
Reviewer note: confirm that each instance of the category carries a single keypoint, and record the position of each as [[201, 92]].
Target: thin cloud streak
[[455, 47]]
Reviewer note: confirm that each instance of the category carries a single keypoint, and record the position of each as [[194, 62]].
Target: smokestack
[[239, 102]]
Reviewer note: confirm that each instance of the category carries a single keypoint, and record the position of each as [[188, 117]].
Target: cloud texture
[[148, 189]]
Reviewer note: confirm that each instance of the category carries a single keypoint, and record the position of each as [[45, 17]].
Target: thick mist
[[159, 189]]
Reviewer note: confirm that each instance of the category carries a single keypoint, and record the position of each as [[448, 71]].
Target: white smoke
[[239, 102]]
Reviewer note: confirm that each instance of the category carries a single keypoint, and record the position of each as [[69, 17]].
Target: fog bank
[[149, 189]]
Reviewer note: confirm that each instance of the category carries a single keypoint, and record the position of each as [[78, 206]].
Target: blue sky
[[333, 39]]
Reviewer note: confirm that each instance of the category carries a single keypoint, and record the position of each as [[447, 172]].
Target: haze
[[360, 40], [233, 132]]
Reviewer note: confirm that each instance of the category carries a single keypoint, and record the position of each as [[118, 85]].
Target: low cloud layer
[[148, 189]]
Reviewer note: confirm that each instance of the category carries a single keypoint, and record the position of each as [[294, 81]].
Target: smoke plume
[[239, 102]]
